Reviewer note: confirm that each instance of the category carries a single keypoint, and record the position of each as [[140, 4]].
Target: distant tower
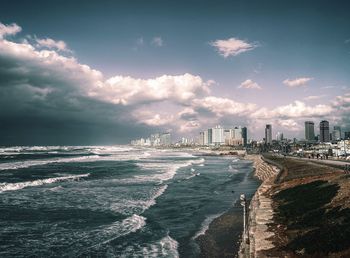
[[210, 136], [347, 135], [309, 131], [245, 136], [279, 136], [336, 135], [324, 131], [268, 134], [201, 138]]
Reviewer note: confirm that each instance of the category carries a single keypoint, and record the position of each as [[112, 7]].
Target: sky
[[105, 72]]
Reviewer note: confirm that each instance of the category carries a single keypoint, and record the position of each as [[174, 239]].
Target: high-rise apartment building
[[309, 131], [201, 138], [206, 138], [218, 135], [324, 131], [165, 139], [210, 136], [268, 134], [245, 136], [279, 136], [347, 135], [336, 135]]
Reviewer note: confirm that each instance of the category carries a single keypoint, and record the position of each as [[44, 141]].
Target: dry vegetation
[[312, 210]]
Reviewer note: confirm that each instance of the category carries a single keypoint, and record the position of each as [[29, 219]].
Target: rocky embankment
[[260, 210]]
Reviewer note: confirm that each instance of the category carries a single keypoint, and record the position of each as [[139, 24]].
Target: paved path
[[324, 161]]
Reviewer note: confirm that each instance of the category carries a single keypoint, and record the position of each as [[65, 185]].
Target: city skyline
[[122, 69]]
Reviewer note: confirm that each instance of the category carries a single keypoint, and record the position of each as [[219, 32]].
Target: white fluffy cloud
[[297, 109], [127, 90], [297, 82], [232, 46], [153, 118], [11, 29], [289, 124], [52, 44], [157, 41], [249, 84], [222, 106]]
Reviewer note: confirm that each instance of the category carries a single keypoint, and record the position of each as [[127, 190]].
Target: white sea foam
[[31, 163], [127, 226], [128, 206], [20, 185], [190, 176], [165, 247], [90, 158], [205, 224], [119, 228], [163, 171]]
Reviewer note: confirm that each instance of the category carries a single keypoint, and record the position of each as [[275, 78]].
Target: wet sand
[[222, 237]]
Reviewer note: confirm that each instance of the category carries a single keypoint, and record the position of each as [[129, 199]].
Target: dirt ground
[[312, 210]]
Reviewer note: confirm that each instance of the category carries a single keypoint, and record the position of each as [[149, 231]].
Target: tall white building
[[201, 138], [238, 133], [206, 142], [165, 139], [218, 135], [279, 136], [227, 136]]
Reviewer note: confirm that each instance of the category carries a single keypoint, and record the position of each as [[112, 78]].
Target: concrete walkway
[[323, 161]]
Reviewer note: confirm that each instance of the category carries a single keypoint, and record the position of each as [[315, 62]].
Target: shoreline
[[260, 210], [224, 233]]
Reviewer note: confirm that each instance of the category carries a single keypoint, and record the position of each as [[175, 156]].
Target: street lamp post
[[245, 224]]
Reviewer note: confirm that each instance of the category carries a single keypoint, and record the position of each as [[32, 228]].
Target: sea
[[113, 201]]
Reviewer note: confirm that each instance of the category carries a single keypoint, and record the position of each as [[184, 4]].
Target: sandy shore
[[260, 210], [218, 239]]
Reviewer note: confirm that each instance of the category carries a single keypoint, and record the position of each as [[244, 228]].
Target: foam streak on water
[[17, 186]]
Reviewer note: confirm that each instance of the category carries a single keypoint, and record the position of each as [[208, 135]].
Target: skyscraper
[[218, 135], [336, 135], [309, 131], [165, 139], [268, 134], [244, 135], [279, 136], [324, 131], [205, 138], [201, 138], [347, 135], [210, 136]]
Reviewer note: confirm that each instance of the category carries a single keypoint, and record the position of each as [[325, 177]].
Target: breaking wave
[[17, 186]]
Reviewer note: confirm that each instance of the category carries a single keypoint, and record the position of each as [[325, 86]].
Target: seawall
[[260, 210]]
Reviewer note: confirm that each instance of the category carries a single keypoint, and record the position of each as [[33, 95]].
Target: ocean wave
[[205, 224], [125, 227], [164, 171], [165, 247], [119, 229], [31, 163], [127, 207], [90, 158], [17, 186]]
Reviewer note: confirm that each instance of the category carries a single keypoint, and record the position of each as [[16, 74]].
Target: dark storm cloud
[[42, 105]]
